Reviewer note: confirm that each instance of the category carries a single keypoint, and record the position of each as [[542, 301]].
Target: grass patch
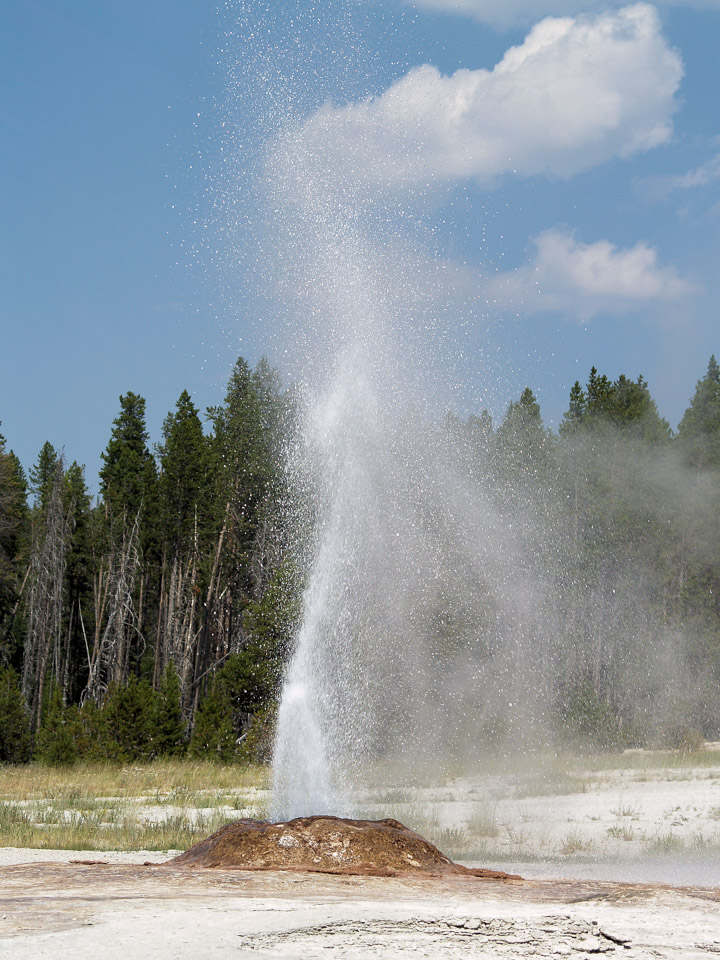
[[549, 784], [83, 781], [482, 822], [452, 841], [670, 843], [649, 760], [627, 811], [21, 825], [619, 832], [392, 796], [158, 806], [574, 842]]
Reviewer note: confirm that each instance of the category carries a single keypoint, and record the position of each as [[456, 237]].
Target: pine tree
[[251, 678], [621, 404], [576, 413], [183, 474], [699, 429], [55, 742], [117, 626], [599, 394], [42, 475], [129, 713], [243, 461], [90, 730], [46, 653], [242, 450], [631, 408], [128, 474], [126, 587], [14, 530], [523, 442], [80, 570]]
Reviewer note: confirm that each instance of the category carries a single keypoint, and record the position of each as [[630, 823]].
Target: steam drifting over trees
[[160, 615]]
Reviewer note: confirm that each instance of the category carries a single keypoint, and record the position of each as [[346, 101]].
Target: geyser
[[454, 600], [405, 542]]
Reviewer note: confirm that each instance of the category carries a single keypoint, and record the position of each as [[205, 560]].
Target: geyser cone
[[325, 844]]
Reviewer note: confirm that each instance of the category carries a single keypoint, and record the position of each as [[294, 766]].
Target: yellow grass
[[160, 806], [91, 780]]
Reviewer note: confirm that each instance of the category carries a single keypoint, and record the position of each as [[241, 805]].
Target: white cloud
[[581, 280], [699, 177], [576, 93], [507, 13]]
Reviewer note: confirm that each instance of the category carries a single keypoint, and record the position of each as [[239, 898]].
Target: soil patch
[[324, 844]]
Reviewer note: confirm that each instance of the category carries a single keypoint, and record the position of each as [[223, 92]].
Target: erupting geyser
[[449, 600], [402, 536]]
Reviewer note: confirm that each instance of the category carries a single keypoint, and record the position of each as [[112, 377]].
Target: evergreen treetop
[[127, 476], [183, 456], [42, 475], [699, 429], [620, 404]]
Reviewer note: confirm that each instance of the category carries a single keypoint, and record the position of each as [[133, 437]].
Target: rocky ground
[[118, 910]]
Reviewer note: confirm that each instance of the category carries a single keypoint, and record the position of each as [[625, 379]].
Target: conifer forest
[[154, 619]]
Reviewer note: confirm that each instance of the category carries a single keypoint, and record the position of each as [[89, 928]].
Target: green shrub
[[88, 726], [258, 741], [128, 721], [213, 736], [170, 735], [56, 739], [14, 721]]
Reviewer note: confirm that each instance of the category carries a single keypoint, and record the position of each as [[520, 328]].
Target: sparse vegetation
[[453, 841], [627, 811], [157, 806], [88, 781], [548, 784], [482, 822], [621, 833], [112, 828], [574, 842]]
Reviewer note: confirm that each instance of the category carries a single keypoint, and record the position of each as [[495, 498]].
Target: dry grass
[[574, 842], [627, 811], [159, 806], [91, 780], [482, 822], [618, 832], [548, 783], [649, 760], [670, 843], [114, 829]]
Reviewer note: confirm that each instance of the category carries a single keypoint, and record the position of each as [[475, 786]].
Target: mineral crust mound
[[324, 844]]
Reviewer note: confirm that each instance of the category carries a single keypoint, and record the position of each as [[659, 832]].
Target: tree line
[[155, 619], [620, 532]]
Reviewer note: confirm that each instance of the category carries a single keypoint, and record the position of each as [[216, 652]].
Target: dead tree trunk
[[110, 659], [46, 651]]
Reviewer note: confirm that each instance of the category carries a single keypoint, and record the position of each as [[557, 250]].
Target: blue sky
[[581, 202]]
